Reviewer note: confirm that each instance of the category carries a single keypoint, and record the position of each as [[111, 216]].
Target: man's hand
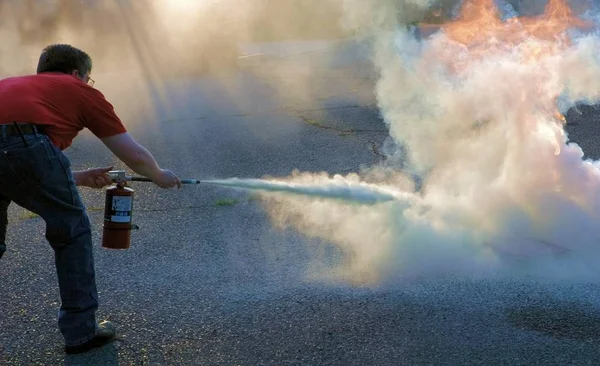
[[167, 179], [93, 178]]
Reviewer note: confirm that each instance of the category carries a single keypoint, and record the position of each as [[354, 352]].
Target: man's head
[[66, 59]]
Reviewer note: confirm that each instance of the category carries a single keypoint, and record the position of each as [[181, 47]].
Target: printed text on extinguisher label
[[121, 209]]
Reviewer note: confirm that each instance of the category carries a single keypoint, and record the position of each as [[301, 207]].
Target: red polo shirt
[[62, 104]]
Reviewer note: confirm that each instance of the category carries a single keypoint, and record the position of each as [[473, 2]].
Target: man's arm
[[100, 118], [140, 160]]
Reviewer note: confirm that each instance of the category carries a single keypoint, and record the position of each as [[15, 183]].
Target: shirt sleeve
[[99, 115]]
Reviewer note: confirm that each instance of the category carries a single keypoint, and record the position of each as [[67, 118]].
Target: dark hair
[[64, 58]]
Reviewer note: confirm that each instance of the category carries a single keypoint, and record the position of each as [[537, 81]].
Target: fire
[[479, 32], [480, 29], [479, 21], [556, 20]]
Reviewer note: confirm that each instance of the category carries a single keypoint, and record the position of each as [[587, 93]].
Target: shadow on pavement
[[561, 321], [106, 355]]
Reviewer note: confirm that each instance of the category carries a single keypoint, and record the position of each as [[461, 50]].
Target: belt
[[7, 130]]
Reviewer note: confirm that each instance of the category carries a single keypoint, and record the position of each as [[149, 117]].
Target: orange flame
[[479, 22], [479, 32], [554, 22]]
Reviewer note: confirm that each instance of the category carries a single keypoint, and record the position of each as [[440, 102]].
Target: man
[[40, 115]]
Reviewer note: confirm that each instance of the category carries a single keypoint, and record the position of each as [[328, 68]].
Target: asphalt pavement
[[209, 281]]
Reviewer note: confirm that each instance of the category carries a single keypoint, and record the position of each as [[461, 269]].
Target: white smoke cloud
[[504, 192], [501, 182]]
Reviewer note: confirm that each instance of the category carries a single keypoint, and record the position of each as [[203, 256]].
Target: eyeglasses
[[90, 81]]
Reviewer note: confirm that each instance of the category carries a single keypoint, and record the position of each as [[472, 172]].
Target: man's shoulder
[[56, 77], [13, 79], [46, 77]]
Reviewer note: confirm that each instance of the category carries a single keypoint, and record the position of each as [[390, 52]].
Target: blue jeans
[[37, 177]]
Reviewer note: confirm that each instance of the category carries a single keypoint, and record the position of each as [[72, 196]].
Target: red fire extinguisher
[[118, 208], [118, 211]]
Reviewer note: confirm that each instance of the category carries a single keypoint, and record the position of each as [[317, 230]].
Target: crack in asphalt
[[346, 132], [376, 150]]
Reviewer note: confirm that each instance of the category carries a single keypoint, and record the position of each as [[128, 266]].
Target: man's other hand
[[93, 178]]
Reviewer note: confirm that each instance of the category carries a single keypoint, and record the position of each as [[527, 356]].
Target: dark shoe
[[104, 335]]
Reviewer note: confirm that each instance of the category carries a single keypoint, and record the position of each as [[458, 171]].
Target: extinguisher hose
[[119, 176], [140, 179], [144, 179]]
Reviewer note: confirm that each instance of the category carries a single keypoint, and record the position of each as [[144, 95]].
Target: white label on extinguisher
[[121, 208]]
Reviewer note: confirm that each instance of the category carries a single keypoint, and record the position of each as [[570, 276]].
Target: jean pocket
[[32, 163]]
